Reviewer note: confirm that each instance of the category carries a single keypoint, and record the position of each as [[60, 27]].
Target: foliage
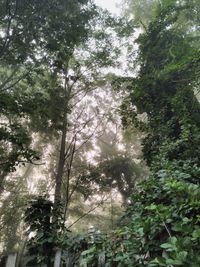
[[161, 226], [11, 217], [163, 218], [164, 89], [42, 46], [47, 234], [142, 10], [119, 172], [30, 53], [165, 211]]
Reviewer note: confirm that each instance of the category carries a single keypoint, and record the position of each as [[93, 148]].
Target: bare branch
[[14, 82], [88, 212]]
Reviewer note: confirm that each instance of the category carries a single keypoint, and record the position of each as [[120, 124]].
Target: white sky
[[111, 5]]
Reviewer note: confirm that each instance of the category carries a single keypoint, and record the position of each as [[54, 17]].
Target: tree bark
[[57, 259], [11, 260], [61, 164], [62, 158]]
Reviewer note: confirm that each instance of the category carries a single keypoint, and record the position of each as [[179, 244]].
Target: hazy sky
[[109, 4]]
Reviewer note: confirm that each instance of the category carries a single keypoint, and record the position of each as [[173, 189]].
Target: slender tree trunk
[[57, 259], [11, 260], [68, 196], [61, 164], [62, 156]]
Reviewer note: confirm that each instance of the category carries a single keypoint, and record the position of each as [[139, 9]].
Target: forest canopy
[[100, 133]]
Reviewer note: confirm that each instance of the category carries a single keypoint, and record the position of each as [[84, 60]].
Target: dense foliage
[[47, 235], [31, 52], [47, 68], [162, 223]]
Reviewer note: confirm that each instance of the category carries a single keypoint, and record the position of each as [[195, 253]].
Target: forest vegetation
[[100, 133]]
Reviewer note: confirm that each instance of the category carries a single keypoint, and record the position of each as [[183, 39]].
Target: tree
[[163, 91], [28, 50], [38, 219], [81, 76], [161, 225], [142, 11], [37, 41], [162, 96]]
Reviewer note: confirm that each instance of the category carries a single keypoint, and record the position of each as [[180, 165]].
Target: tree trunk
[[11, 260], [61, 164], [62, 159], [57, 259]]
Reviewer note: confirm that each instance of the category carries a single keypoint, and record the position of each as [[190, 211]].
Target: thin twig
[[84, 215]]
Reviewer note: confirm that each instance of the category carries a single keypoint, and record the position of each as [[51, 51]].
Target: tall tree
[[37, 40], [162, 102], [165, 85]]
